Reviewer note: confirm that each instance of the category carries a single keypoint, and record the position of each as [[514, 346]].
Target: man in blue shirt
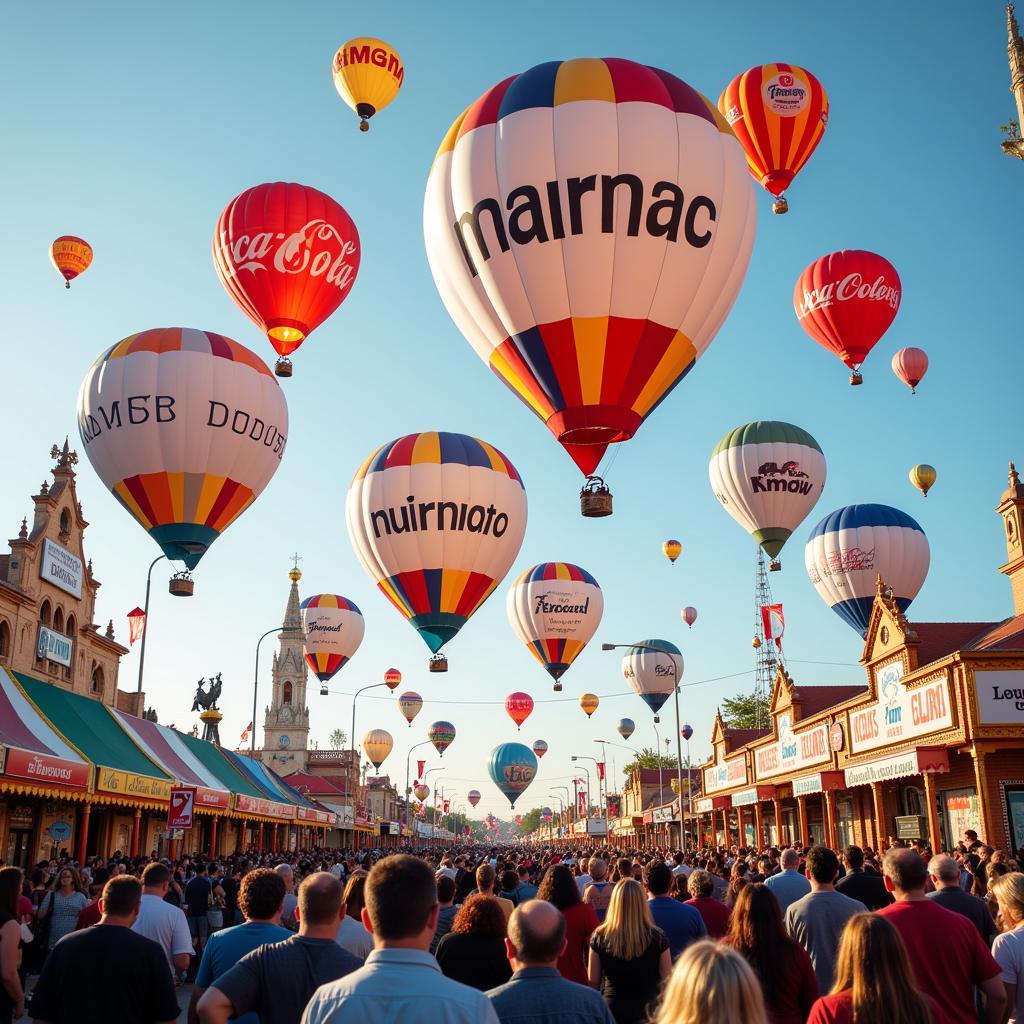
[[525, 890], [680, 923], [788, 885], [537, 993]]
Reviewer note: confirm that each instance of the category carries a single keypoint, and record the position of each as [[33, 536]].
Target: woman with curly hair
[[473, 952], [559, 888]]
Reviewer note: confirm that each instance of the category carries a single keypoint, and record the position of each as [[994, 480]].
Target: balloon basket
[[67, 284], [181, 584], [323, 689], [438, 663], [774, 565], [283, 367], [856, 379], [657, 719], [595, 499], [780, 206], [557, 688], [364, 125]]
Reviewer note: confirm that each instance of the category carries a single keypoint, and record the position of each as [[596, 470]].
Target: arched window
[[286, 693], [44, 613], [69, 626], [65, 521], [58, 619], [5, 639], [97, 680]]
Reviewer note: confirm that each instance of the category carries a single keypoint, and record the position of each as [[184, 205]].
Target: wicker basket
[[780, 205], [438, 663], [181, 584], [595, 499], [283, 367]]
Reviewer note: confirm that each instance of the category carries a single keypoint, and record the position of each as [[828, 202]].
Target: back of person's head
[[536, 932], [261, 894], [445, 889], [756, 919], [700, 883], [509, 880], [355, 894], [320, 899], [481, 916], [598, 869], [400, 894], [790, 859], [11, 881], [558, 887], [121, 896], [712, 984], [155, 875], [658, 878], [624, 867], [872, 963], [905, 869], [944, 868], [523, 871], [854, 857], [1008, 891], [584, 865], [485, 877], [822, 865], [627, 927], [200, 868]]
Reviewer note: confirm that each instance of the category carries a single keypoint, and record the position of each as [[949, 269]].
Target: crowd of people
[[520, 934]]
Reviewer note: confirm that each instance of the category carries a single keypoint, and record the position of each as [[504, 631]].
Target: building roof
[[815, 699], [220, 766], [23, 727], [940, 639], [318, 785], [741, 737]]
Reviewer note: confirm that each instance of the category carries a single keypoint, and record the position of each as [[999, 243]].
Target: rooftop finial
[[23, 532], [295, 573], [65, 457]]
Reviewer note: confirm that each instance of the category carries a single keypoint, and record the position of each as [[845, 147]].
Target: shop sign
[[59, 831], [754, 795], [1000, 697], [181, 807], [963, 812], [911, 826], [900, 714], [61, 568], [46, 769], [792, 751], [912, 762], [392, 828], [217, 798], [21, 816], [111, 780], [728, 773], [54, 647], [268, 808], [663, 814], [836, 736], [705, 805]]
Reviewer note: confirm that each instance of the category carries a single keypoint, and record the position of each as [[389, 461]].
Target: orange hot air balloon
[[589, 703], [71, 256], [519, 706], [910, 365], [672, 549], [392, 679], [779, 113]]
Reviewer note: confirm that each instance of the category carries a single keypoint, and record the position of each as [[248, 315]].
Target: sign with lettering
[[912, 762], [1000, 697], [662, 814], [712, 803], [46, 769], [793, 751], [725, 774], [60, 567], [182, 807], [267, 808], [818, 783], [900, 713], [54, 647], [111, 780], [212, 798]]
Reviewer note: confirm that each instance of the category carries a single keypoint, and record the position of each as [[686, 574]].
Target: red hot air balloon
[[473, 796], [392, 679], [288, 255], [846, 301], [910, 365], [519, 706]]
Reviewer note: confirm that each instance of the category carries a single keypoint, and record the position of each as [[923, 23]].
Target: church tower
[[1013, 145], [286, 725], [1011, 508]]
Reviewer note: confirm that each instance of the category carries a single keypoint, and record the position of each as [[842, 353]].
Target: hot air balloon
[[779, 113], [512, 767], [689, 615], [436, 520], [672, 549], [546, 815], [288, 255], [334, 630], [922, 477], [519, 707], [555, 609], [910, 365], [846, 301], [687, 731], [540, 747], [852, 547], [768, 476], [653, 674], [410, 704], [392, 679], [377, 744], [589, 703], [71, 256], [588, 224], [186, 428], [421, 792], [473, 796], [441, 735], [367, 74], [626, 727]]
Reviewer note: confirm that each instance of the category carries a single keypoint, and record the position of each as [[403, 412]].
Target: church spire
[[293, 613], [1013, 144]]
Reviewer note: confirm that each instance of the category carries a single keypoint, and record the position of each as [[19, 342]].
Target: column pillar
[[981, 782], [213, 835], [761, 840], [136, 830], [259, 838], [740, 838], [778, 821], [801, 804], [878, 802], [81, 846], [832, 835], [932, 808]]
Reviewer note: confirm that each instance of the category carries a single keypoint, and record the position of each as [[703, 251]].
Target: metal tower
[[766, 655]]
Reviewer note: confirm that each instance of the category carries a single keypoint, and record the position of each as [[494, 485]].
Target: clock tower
[[286, 724]]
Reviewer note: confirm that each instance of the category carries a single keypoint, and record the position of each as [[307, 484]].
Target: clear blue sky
[[133, 126]]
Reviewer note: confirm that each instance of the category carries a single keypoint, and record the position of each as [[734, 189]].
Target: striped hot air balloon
[[473, 796], [377, 744], [410, 704], [71, 256], [589, 703], [441, 734], [653, 674], [334, 630], [540, 747]]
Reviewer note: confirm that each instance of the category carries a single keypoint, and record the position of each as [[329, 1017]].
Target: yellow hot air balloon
[[367, 74], [71, 256], [922, 477], [672, 549], [377, 744], [589, 703]]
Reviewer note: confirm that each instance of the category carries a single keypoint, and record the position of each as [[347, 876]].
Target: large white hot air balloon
[[334, 630], [768, 476], [653, 674], [377, 744]]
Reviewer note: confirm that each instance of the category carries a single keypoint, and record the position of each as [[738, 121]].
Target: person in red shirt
[[716, 914], [945, 950], [559, 888], [873, 980]]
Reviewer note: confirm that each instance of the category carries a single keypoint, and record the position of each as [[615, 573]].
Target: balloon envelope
[[546, 815], [334, 630], [512, 767], [377, 744], [910, 365], [687, 731], [392, 679], [626, 727], [421, 792], [436, 520], [923, 477], [71, 256], [653, 674], [519, 707], [555, 609], [473, 796], [540, 747], [588, 224], [852, 547], [367, 73], [441, 735], [589, 702], [672, 549], [410, 704], [186, 428]]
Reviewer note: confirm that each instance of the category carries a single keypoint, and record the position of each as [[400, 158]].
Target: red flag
[[774, 623], [446, 803], [600, 771], [419, 769], [245, 735], [136, 625], [583, 803]]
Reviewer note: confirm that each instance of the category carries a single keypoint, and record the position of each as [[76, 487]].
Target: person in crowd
[[1008, 947], [161, 922], [276, 981], [789, 885], [865, 887], [447, 868], [583, 876], [525, 889], [712, 984], [446, 912], [874, 983], [945, 875], [400, 980], [465, 883], [231, 884], [738, 878], [486, 877], [291, 900], [599, 893], [198, 891], [781, 964], [817, 919], [558, 887], [629, 955], [12, 994], [473, 952], [352, 935], [107, 973], [715, 913], [509, 881], [680, 923], [537, 993], [679, 865], [94, 883], [62, 905], [946, 953], [260, 899]]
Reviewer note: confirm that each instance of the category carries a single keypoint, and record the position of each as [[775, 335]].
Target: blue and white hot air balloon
[[512, 768], [852, 547]]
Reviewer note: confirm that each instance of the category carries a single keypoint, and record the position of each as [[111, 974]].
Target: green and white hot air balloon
[[768, 476]]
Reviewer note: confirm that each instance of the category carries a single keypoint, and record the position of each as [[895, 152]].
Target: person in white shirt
[[162, 922], [678, 867], [583, 879], [446, 868], [290, 899], [352, 935]]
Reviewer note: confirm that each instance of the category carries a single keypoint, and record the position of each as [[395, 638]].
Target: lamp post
[[352, 737], [408, 763], [586, 771], [598, 770], [433, 820], [561, 805], [568, 803], [145, 620], [255, 683]]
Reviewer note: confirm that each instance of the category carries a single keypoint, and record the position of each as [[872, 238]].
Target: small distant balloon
[[519, 707], [922, 476], [71, 256], [512, 767], [377, 744], [672, 549], [410, 704], [473, 796], [392, 678], [540, 747], [367, 73], [626, 727], [589, 703], [441, 735], [689, 615], [421, 792], [687, 731], [910, 365]]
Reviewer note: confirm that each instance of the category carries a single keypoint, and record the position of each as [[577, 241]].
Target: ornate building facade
[[1013, 144], [286, 722]]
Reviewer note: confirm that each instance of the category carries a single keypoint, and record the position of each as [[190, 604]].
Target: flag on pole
[[774, 623], [244, 738], [419, 769], [600, 771], [136, 625], [582, 803], [446, 804]]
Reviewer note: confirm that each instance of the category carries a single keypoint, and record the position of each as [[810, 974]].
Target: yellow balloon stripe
[[678, 356], [587, 78], [591, 336], [427, 448], [508, 373], [131, 504]]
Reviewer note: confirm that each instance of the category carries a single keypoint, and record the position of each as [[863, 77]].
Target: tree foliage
[[531, 821], [648, 758], [338, 738], [745, 711]]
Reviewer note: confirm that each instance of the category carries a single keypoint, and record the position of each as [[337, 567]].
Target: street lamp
[[355, 697], [433, 820], [597, 768], [561, 806], [586, 771], [408, 792], [568, 802], [180, 592], [255, 684]]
